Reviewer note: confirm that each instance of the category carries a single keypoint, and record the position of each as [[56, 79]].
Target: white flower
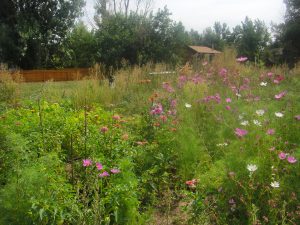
[[275, 184], [238, 95], [251, 167], [257, 123], [241, 116], [260, 112], [222, 144], [279, 114], [245, 123], [263, 84], [187, 105]]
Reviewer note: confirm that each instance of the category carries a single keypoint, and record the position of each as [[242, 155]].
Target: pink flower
[[223, 72], [104, 129], [291, 159], [297, 117], [270, 131], [116, 117], [270, 74], [228, 107], [104, 174], [240, 132], [282, 155], [115, 171], [173, 103], [99, 166], [280, 95], [204, 63], [86, 162], [191, 183], [168, 87], [242, 59], [228, 100], [163, 118], [157, 109]]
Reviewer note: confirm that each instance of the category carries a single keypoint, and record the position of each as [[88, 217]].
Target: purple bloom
[[270, 131], [240, 132], [297, 117], [291, 159], [99, 166], [86, 162], [115, 171], [104, 174], [242, 59], [157, 109], [282, 155]]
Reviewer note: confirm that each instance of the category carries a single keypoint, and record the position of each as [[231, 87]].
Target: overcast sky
[[199, 14]]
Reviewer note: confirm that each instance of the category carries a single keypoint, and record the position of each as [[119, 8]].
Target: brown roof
[[205, 50]]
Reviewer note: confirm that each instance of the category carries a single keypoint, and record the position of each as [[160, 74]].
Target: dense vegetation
[[47, 34], [215, 146]]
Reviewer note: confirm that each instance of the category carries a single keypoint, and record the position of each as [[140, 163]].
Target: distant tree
[[290, 32], [251, 38], [40, 27], [81, 46]]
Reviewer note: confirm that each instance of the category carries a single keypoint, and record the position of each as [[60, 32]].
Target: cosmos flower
[[245, 123], [263, 84], [115, 171], [275, 184], [187, 105], [86, 162], [282, 155], [257, 123], [260, 112], [280, 95], [251, 168], [279, 114], [291, 159], [104, 174], [240, 132], [99, 166], [270, 131], [242, 59]]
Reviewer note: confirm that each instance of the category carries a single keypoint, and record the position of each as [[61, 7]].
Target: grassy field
[[219, 145]]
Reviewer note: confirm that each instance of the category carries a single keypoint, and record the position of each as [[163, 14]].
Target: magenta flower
[[104, 174], [291, 159], [240, 132], [228, 107], [223, 72], [297, 117], [270, 74], [282, 155], [270, 131], [280, 95], [99, 166], [86, 162], [104, 129], [173, 103], [168, 87], [157, 110], [228, 100], [115, 171], [116, 117], [242, 59]]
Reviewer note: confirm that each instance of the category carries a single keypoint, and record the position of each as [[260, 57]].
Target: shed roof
[[204, 50]]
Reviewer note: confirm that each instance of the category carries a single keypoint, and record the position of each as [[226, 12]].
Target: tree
[[291, 32], [41, 27], [251, 38]]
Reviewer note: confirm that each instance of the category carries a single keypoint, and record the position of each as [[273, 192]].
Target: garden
[[219, 145]]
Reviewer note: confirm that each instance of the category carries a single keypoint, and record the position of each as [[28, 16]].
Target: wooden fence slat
[[55, 75]]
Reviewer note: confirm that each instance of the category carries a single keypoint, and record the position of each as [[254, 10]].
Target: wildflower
[[291, 159], [260, 112], [104, 174], [282, 155], [104, 129], [187, 105], [263, 84], [241, 117], [240, 132], [279, 114], [204, 63], [245, 123], [163, 118], [116, 117], [270, 131], [257, 123], [157, 109], [275, 184], [270, 74], [99, 166], [280, 95], [297, 117], [222, 144], [251, 167], [86, 162], [168, 87], [125, 137], [173, 103], [238, 95], [223, 72], [242, 59], [228, 107], [228, 100], [115, 171], [191, 183]]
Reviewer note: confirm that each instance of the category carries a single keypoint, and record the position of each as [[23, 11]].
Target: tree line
[[49, 34]]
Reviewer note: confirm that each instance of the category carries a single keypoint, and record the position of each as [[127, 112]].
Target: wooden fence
[[55, 75]]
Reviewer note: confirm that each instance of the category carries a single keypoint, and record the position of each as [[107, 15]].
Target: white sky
[[199, 14]]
